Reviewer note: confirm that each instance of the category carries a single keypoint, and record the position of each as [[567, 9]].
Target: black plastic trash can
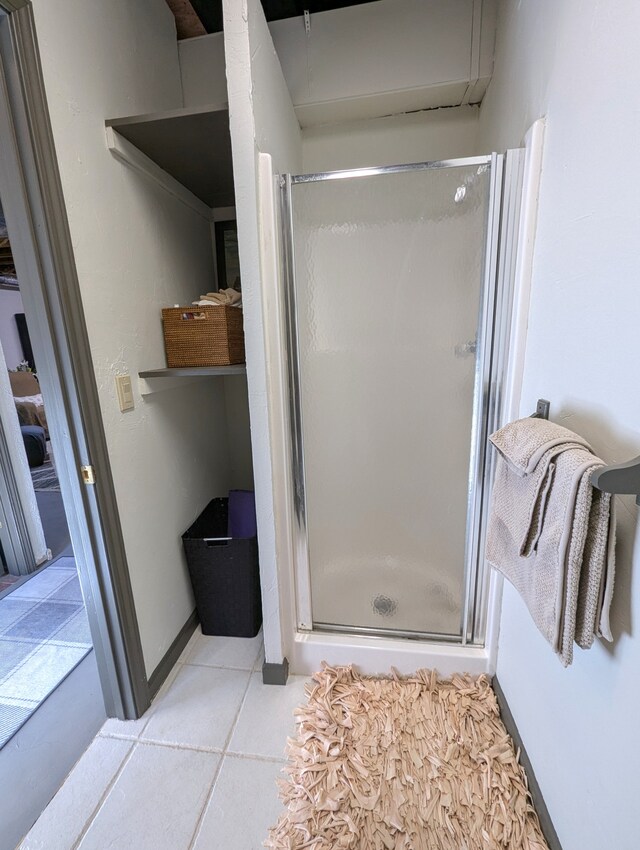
[[224, 574]]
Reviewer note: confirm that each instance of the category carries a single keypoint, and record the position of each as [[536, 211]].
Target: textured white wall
[[202, 69], [374, 59], [262, 119], [383, 58], [137, 249], [10, 304], [576, 62], [417, 137], [239, 429]]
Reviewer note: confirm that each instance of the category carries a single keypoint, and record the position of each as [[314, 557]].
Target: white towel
[[551, 534], [222, 298]]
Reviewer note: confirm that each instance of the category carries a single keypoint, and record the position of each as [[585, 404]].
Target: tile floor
[[196, 773], [44, 633]]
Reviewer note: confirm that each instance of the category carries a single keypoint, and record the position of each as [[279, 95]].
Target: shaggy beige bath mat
[[403, 764]]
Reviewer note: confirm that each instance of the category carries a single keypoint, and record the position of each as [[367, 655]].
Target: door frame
[[33, 201], [14, 534]]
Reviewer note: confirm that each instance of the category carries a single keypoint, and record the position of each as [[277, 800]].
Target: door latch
[[88, 474]]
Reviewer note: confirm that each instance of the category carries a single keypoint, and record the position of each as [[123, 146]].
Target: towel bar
[[618, 479], [542, 409]]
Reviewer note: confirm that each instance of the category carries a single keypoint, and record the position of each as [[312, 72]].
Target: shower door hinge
[[307, 22], [88, 474]]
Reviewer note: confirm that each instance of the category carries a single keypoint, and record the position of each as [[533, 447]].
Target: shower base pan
[[376, 655]]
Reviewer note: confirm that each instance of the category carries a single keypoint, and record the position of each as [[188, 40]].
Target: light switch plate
[[125, 392]]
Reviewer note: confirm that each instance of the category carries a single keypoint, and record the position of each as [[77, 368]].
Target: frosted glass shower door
[[386, 303]]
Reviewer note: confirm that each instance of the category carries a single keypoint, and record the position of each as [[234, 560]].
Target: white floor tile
[[240, 653], [190, 644], [128, 729], [259, 660], [168, 682], [131, 729], [199, 708], [62, 822], [266, 718], [156, 801], [243, 806]]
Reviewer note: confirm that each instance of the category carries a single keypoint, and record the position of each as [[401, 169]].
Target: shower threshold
[[376, 654]]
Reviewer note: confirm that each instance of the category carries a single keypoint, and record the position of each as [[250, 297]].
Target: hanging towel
[[551, 534]]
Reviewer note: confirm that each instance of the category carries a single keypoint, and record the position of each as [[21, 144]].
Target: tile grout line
[[136, 742], [254, 757], [103, 797], [198, 826], [136, 739], [192, 748], [219, 667]]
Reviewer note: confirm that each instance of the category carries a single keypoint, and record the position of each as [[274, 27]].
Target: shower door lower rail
[[367, 631]]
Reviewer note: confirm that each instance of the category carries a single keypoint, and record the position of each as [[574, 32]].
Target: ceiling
[[198, 17]]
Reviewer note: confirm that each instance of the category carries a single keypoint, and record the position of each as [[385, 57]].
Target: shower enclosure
[[396, 317]]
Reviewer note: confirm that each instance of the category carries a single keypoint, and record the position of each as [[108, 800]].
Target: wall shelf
[[191, 145], [194, 371]]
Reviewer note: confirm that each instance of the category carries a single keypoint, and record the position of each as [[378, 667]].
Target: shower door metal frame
[[484, 386]]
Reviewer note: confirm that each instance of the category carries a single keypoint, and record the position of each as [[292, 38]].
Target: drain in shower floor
[[384, 605]]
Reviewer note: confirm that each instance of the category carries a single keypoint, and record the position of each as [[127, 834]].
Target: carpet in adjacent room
[[45, 478]]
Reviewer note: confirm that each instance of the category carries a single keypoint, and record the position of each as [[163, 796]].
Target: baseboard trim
[[166, 665], [536, 794], [275, 674]]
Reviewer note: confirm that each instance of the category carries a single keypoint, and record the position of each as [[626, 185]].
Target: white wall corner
[[276, 365], [494, 609], [203, 70], [533, 145], [260, 111]]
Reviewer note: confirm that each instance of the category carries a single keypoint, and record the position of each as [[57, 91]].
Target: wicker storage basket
[[203, 336]]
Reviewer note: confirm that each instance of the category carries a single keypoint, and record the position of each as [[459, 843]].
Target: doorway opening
[[44, 630]]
